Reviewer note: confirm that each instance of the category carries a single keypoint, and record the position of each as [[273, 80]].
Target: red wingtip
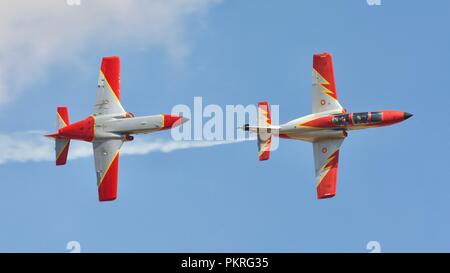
[[111, 69], [326, 196], [327, 187], [323, 64], [322, 55], [107, 190], [106, 199], [264, 156]]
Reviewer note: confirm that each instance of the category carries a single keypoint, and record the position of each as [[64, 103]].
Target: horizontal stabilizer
[[61, 144], [264, 135], [62, 150], [62, 117]]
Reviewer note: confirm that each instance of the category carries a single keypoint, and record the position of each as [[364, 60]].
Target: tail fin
[[61, 144], [264, 133]]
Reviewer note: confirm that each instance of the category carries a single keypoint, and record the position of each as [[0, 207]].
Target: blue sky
[[392, 188]]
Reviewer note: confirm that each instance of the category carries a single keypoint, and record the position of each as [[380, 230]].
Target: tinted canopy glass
[[360, 118]]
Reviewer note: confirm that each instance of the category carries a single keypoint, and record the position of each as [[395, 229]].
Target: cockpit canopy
[[360, 118], [341, 120], [357, 118], [366, 117]]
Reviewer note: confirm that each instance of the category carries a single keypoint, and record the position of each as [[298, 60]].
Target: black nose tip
[[407, 115]]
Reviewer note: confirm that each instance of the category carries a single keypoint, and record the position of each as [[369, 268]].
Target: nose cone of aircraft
[[407, 115], [183, 120], [171, 121]]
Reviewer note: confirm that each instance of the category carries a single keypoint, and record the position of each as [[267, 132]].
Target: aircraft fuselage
[[117, 126], [331, 125]]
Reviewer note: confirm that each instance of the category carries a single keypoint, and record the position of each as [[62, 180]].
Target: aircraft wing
[[324, 97], [107, 99], [106, 155], [326, 158]]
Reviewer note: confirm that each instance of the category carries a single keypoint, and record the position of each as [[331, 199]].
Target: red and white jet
[[326, 128], [107, 128]]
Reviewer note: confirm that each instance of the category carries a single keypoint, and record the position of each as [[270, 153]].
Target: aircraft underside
[[326, 128], [110, 126], [107, 128]]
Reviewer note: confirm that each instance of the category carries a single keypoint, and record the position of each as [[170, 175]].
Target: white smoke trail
[[38, 34], [33, 146]]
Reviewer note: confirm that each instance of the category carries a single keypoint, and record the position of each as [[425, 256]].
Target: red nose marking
[[392, 116], [170, 121]]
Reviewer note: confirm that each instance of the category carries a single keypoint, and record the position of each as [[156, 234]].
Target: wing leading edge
[[326, 159]]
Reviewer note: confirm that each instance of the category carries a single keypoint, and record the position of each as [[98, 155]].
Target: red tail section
[[81, 130]]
